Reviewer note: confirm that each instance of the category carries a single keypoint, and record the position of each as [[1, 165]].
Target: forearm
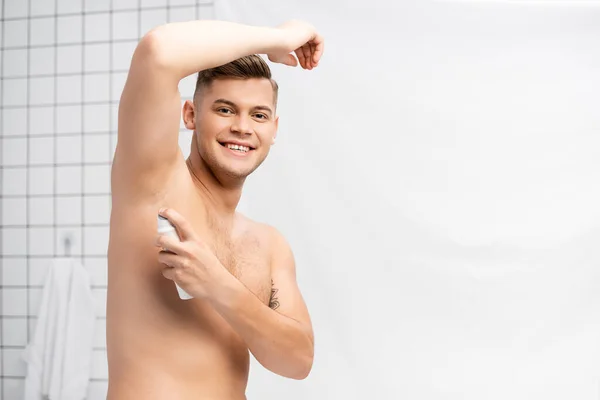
[[279, 343], [189, 47]]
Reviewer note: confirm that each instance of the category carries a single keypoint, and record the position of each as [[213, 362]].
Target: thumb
[[287, 59]]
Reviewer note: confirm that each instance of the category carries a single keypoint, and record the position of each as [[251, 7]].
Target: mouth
[[237, 149]]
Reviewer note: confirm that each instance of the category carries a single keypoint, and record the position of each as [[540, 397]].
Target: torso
[[162, 347]]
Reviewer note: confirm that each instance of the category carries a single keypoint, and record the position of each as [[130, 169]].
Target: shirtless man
[[241, 273]]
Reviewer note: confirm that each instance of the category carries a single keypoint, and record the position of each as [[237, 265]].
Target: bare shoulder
[[275, 242]]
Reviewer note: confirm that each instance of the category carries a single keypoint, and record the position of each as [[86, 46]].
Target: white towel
[[59, 357]]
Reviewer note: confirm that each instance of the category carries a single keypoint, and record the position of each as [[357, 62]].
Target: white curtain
[[438, 177]]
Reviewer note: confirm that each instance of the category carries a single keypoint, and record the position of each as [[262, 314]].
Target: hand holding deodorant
[[166, 228]]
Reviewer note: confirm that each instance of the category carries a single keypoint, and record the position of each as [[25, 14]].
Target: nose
[[242, 124]]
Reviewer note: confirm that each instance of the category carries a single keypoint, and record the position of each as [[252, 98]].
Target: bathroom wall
[[63, 65]]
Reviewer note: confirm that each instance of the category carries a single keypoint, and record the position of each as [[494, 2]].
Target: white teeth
[[237, 147]]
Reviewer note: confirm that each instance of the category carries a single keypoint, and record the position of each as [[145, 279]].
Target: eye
[[224, 110], [262, 116]]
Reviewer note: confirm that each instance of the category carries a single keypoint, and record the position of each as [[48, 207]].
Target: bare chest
[[244, 253]]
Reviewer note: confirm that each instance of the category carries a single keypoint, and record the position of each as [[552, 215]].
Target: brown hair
[[252, 66]]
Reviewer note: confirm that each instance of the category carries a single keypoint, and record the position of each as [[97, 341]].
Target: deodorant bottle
[[166, 228]]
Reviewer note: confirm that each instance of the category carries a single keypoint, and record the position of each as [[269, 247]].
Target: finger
[[169, 259], [170, 244], [184, 228], [312, 51], [170, 273], [306, 52], [291, 60], [319, 48], [300, 55]]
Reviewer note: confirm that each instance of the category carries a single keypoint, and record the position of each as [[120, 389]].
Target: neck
[[222, 194]]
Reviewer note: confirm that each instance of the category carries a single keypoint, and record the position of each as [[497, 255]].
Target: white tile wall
[[68, 210], [68, 120], [41, 120], [13, 388], [182, 14], [68, 148], [69, 29], [13, 362], [70, 6], [122, 53], [97, 58], [68, 179], [14, 92], [14, 121], [118, 83], [97, 209], [14, 212], [95, 240], [71, 120], [152, 18], [14, 331], [96, 5], [41, 180], [41, 90], [182, 2], [14, 63], [42, 31], [15, 33], [41, 60], [38, 270], [96, 88], [41, 150], [125, 25], [68, 89], [14, 151], [95, 117], [14, 302], [41, 210], [14, 272], [96, 179], [15, 9], [14, 181], [69, 59], [94, 146], [153, 3], [125, 4], [41, 241], [97, 27], [42, 7]]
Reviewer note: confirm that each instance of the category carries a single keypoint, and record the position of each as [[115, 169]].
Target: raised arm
[[150, 105]]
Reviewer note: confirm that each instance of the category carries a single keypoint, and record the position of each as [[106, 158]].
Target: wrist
[[273, 40], [225, 290]]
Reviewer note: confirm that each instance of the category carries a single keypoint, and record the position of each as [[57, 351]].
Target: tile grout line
[[27, 169], [2, 199]]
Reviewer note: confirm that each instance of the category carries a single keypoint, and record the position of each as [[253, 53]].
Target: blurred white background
[[437, 177]]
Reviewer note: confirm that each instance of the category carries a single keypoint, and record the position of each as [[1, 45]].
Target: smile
[[237, 149]]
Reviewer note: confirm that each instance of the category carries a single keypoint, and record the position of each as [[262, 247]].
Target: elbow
[[304, 368], [303, 362], [152, 49]]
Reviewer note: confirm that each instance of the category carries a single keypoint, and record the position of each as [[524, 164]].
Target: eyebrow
[[232, 104]]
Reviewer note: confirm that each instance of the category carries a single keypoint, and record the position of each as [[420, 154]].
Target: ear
[[188, 114]]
